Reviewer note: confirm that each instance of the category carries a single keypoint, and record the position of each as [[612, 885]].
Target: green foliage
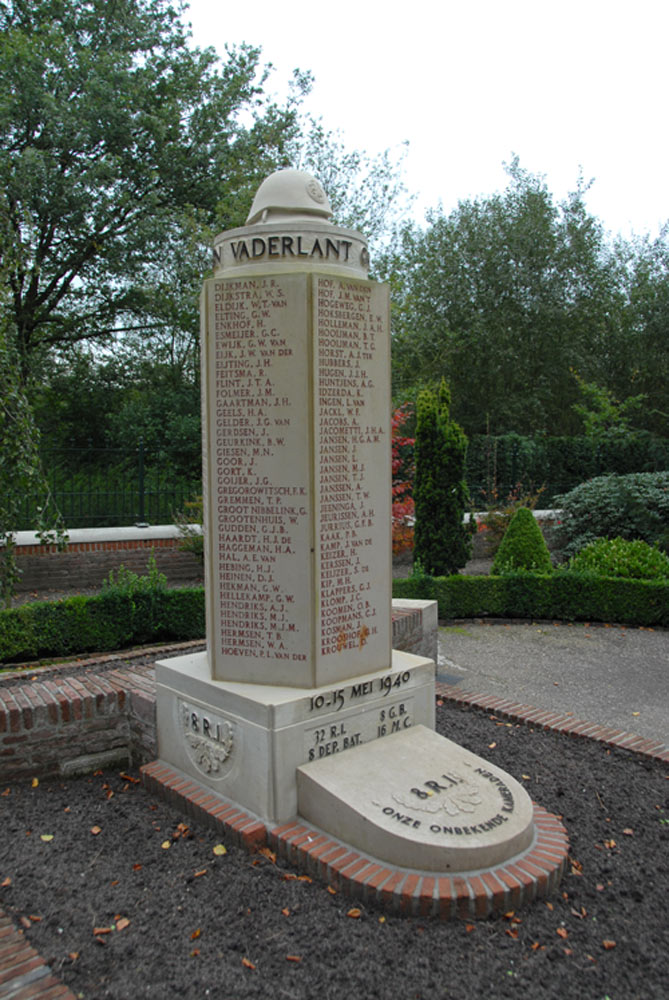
[[604, 417], [108, 621], [20, 470], [190, 525], [500, 513], [522, 547], [115, 133], [511, 462], [506, 294], [632, 506], [565, 596], [621, 557], [442, 543], [126, 583]]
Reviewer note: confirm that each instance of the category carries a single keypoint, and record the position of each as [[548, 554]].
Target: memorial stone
[[299, 704]]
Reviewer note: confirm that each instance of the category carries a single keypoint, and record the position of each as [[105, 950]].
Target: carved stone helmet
[[291, 194]]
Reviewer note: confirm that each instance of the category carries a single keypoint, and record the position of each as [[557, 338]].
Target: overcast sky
[[565, 85]]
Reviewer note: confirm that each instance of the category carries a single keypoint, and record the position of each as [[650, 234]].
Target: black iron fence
[[108, 487]]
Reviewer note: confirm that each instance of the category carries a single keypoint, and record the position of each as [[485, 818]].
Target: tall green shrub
[[633, 506], [523, 547], [442, 542]]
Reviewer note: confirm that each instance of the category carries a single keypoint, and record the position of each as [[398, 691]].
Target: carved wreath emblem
[[208, 752], [462, 798]]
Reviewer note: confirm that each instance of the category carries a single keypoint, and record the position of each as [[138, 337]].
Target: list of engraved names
[[261, 468], [352, 463]]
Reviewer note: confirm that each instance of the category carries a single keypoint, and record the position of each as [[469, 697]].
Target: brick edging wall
[[87, 564]]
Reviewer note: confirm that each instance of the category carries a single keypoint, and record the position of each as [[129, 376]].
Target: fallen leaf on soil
[[267, 853], [115, 882], [599, 887], [195, 934], [568, 951], [35, 782], [549, 905], [25, 922], [354, 912], [101, 930], [122, 924], [286, 911], [95, 830], [6, 792], [195, 952], [74, 955], [469, 928], [166, 844], [535, 946], [129, 777], [333, 892], [610, 844], [219, 850], [289, 877], [46, 837], [576, 869], [5, 883], [512, 932], [198, 874], [563, 932], [137, 868], [382, 920], [67, 809], [526, 777], [636, 713], [304, 878], [608, 944], [247, 964], [491, 746], [35, 919], [628, 831], [293, 958]]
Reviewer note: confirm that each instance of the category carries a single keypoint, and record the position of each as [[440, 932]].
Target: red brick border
[[23, 974], [533, 874], [558, 722]]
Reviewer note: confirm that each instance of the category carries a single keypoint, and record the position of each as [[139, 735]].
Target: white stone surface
[[245, 741], [418, 800], [297, 478]]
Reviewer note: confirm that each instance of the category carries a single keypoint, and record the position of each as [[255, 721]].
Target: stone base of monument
[[353, 785], [246, 741], [533, 873]]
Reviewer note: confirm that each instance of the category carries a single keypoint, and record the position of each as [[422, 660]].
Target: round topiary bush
[[620, 557], [522, 547]]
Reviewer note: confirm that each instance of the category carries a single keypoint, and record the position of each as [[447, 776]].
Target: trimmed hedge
[[567, 596], [112, 621], [106, 621]]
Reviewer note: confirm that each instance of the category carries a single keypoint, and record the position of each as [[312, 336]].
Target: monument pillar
[[299, 706], [295, 347]]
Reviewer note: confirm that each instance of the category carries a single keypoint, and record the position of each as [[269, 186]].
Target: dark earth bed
[[228, 933]]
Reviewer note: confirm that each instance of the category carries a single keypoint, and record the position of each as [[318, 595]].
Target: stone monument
[[299, 706]]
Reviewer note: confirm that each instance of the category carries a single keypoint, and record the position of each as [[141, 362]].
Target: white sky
[[565, 85]]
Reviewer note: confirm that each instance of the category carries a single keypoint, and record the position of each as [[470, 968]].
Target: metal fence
[[109, 487]]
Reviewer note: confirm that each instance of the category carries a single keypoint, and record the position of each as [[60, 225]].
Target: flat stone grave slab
[[418, 800]]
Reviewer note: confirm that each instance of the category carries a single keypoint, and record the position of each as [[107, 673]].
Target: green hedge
[[112, 621], [558, 462], [104, 622], [566, 596]]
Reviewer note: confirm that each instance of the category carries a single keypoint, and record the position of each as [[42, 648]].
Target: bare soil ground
[[119, 915]]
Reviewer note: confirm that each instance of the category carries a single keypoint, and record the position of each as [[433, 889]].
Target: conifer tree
[[442, 541]]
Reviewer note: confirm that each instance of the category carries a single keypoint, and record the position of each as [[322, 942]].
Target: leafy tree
[[442, 542], [604, 417], [503, 296], [402, 483], [115, 135], [19, 467]]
